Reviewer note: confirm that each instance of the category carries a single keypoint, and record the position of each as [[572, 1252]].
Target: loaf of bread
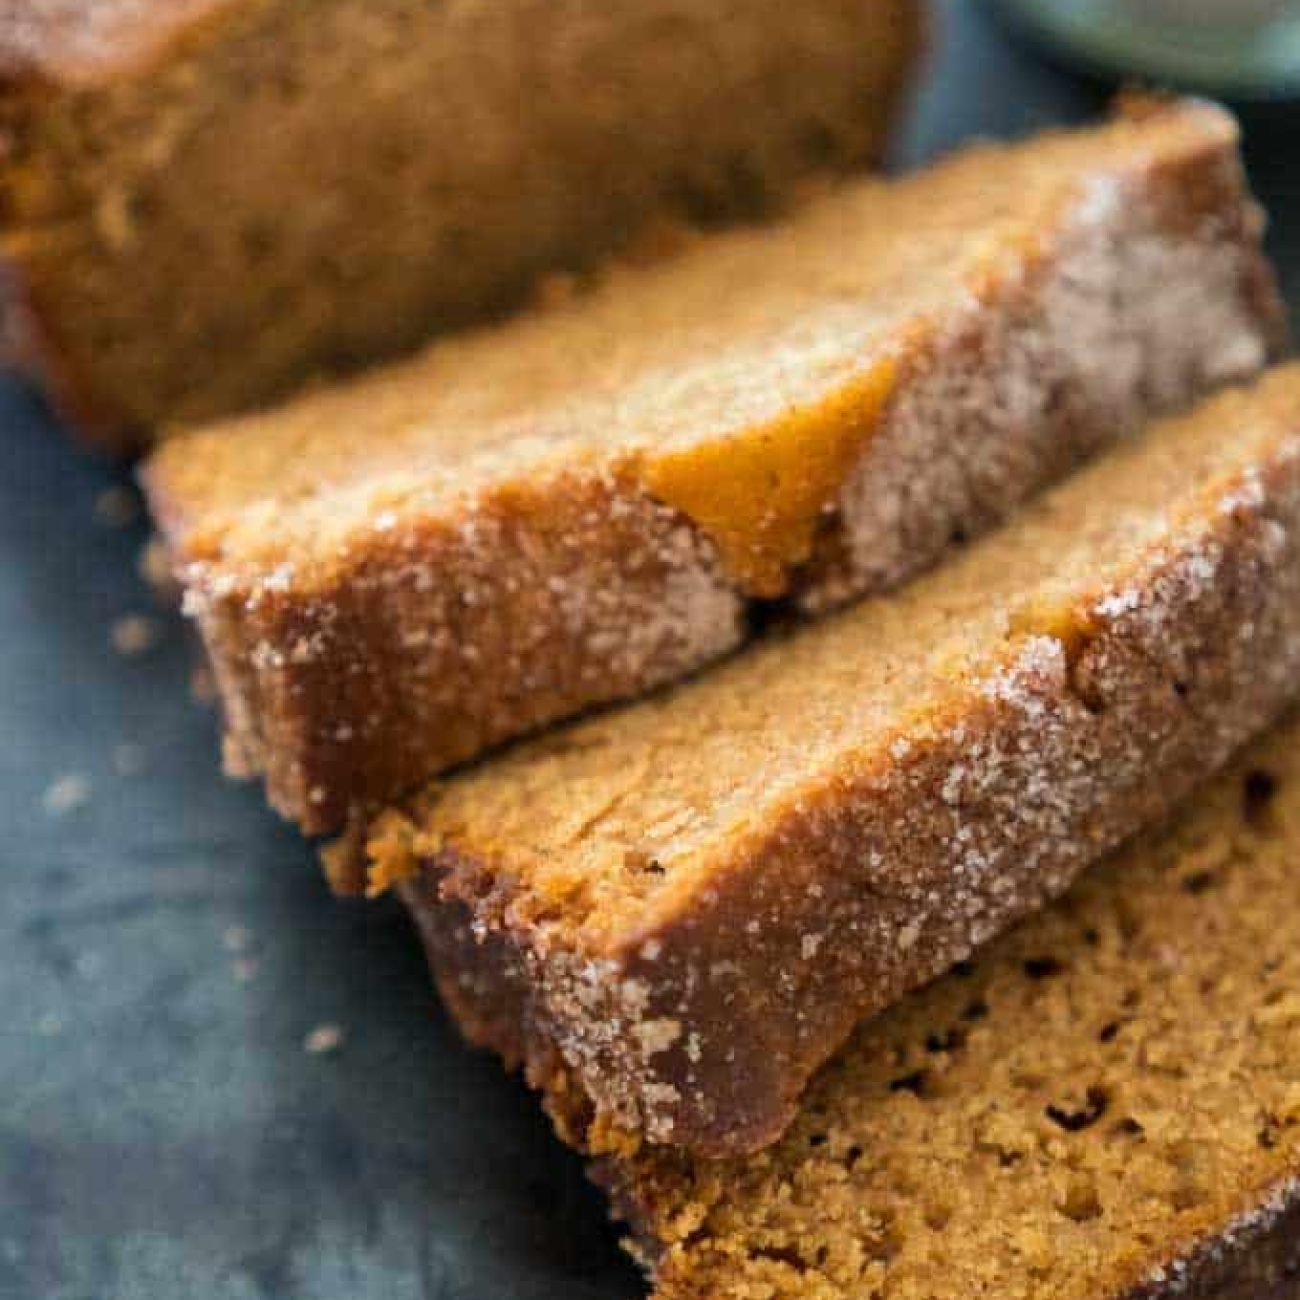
[[204, 202], [1105, 1106], [690, 902], [397, 573]]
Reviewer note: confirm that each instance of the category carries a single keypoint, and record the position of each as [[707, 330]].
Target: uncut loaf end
[[204, 203]]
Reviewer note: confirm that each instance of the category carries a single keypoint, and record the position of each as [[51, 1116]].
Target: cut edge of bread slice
[[688, 903], [373, 633]]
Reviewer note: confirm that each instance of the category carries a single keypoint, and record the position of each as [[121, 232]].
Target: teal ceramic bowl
[[1236, 49]]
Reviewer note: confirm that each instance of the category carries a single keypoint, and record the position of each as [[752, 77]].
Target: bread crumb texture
[[1104, 1104]]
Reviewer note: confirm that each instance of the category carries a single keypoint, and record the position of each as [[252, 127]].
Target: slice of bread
[[205, 202], [395, 574], [690, 902], [1104, 1106]]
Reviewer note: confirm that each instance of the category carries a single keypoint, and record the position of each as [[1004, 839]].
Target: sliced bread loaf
[[690, 902], [203, 202], [1105, 1106], [395, 574]]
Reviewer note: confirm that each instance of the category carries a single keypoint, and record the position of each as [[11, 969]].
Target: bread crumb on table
[[154, 567], [66, 794], [50, 1025], [324, 1040], [134, 634], [236, 938]]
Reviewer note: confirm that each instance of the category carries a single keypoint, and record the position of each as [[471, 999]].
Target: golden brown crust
[[1255, 1260], [698, 1021], [334, 676], [990, 402]]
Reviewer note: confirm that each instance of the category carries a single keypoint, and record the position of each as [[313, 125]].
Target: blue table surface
[[166, 946]]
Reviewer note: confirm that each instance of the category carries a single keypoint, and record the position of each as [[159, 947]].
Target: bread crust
[[702, 1026], [466, 662], [337, 729], [1257, 1257]]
